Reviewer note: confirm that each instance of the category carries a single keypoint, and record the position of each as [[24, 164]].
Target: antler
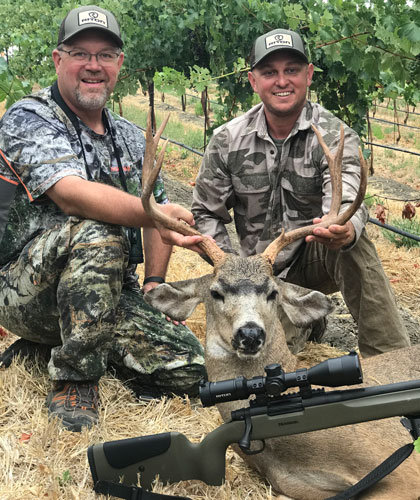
[[149, 176], [333, 217]]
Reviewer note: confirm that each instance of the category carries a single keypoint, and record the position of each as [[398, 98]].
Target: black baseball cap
[[88, 17], [274, 40]]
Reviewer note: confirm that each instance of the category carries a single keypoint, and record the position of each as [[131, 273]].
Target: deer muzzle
[[249, 339]]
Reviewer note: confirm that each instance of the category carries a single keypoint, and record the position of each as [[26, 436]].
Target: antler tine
[[333, 217], [149, 176], [334, 164]]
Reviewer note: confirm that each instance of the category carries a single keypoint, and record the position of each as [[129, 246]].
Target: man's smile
[[92, 81], [282, 94]]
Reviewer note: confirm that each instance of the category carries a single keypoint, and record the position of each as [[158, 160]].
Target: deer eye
[[217, 295], [272, 295]]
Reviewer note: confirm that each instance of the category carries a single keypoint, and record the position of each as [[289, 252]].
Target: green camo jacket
[[243, 170], [43, 147]]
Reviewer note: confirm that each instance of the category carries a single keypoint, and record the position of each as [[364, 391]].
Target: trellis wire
[[399, 110], [393, 123], [391, 147]]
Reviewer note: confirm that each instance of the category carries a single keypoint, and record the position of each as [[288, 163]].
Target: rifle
[[271, 414]]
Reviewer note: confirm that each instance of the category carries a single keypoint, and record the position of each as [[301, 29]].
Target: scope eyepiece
[[222, 391], [233, 389]]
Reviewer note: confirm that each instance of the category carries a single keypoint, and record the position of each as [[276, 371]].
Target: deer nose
[[249, 338]]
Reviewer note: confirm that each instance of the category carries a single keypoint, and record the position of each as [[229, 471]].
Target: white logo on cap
[[93, 17], [279, 40]]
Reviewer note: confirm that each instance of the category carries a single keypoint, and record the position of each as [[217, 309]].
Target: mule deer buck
[[244, 334]]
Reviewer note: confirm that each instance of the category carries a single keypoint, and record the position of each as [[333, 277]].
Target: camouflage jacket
[[243, 170], [43, 147]]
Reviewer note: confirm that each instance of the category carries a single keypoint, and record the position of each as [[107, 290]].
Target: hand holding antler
[[173, 221], [166, 218], [334, 236], [171, 237], [333, 229]]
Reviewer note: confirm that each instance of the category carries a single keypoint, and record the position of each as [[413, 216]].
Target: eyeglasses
[[104, 58]]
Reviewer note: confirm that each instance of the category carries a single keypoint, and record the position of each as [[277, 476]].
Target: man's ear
[[251, 80], [310, 74], [302, 306], [56, 58], [120, 60], [179, 299]]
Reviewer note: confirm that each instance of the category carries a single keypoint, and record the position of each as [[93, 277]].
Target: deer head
[[243, 299]]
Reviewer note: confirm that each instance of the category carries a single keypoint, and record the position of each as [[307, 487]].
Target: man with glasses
[[68, 257]]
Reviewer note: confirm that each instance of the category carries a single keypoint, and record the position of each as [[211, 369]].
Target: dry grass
[[38, 459]]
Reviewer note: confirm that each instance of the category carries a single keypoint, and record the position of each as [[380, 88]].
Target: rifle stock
[[170, 455], [174, 458]]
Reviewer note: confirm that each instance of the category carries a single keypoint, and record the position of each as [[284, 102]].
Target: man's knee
[[98, 254], [88, 232]]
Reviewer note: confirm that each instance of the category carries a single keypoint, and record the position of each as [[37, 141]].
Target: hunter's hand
[[172, 237], [335, 236]]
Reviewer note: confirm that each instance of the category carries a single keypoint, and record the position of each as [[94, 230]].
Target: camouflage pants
[[65, 290], [359, 276]]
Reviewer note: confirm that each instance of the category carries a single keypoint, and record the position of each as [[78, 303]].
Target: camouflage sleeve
[[351, 180], [213, 193], [40, 154]]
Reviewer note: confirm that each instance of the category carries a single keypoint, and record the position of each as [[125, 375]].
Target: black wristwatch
[[153, 279]]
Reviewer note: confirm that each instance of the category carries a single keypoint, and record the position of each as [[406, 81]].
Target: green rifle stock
[[174, 458]]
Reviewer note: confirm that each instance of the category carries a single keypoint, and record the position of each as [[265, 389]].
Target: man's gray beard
[[95, 101]]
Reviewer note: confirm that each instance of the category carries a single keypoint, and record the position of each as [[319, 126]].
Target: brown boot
[[75, 403]]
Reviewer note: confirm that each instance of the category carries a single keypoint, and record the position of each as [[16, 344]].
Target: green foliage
[[417, 445], [171, 80], [411, 226], [198, 109], [11, 88], [28, 28], [65, 478], [377, 131], [362, 50], [371, 201]]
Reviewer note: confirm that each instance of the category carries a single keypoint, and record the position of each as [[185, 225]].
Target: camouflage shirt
[[272, 187], [43, 147]]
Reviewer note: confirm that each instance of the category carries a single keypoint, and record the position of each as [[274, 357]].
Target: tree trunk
[[151, 91]]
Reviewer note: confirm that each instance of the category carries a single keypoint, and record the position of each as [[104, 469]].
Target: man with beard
[[70, 249], [268, 166]]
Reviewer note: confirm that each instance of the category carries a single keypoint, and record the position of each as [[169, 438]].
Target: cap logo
[[279, 40], [93, 17]]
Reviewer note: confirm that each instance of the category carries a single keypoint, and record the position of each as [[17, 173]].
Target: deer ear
[[302, 306], [179, 299]]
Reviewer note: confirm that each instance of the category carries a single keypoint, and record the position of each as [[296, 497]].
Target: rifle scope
[[335, 372]]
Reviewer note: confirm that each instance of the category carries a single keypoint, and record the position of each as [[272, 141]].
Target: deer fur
[[243, 302]]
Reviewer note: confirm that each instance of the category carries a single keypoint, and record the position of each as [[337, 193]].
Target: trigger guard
[[247, 451]]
